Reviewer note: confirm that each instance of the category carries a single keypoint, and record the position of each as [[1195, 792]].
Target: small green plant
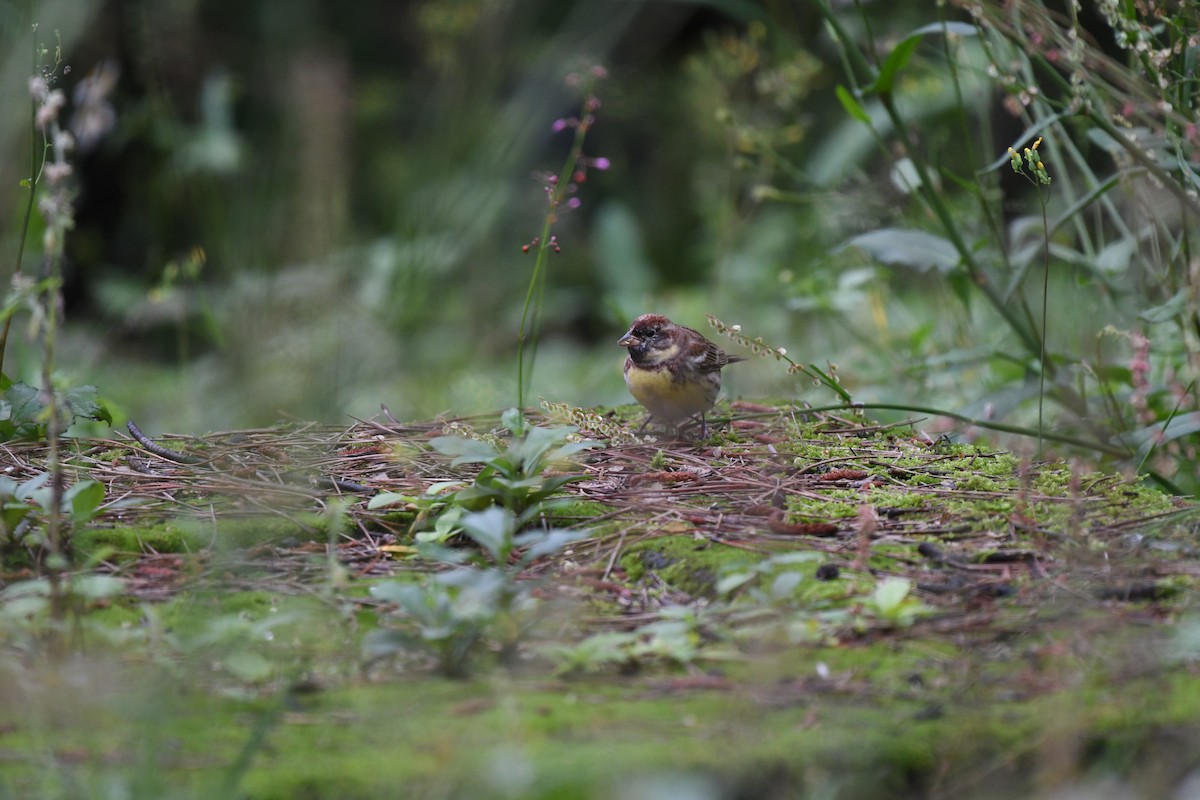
[[435, 504], [678, 637], [775, 593], [31, 605], [747, 582], [452, 615], [24, 409], [893, 603], [513, 476], [24, 507]]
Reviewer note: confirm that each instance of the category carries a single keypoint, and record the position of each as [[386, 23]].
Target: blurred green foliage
[[308, 209]]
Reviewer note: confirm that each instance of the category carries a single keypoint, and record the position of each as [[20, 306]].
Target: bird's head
[[651, 339]]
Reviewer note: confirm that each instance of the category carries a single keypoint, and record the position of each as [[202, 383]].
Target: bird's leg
[[703, 427], [645, 423]]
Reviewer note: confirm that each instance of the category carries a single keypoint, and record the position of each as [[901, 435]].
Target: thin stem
[[28, 213], [56, 557], [531, 310], [1045, 332]]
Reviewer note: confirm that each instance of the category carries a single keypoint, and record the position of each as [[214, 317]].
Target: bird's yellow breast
[[669, 398]]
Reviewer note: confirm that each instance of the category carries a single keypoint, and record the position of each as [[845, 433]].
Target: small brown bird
[[671, 370]]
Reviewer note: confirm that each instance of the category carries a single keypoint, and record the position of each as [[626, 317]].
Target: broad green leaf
[[785, 583], [899, 57], [1161, 432], [31, 486], [513, 420], [247, 666], [569, 449], [388, 499], [492, 528], [464, 450], [1168, 310], [797, 558], [22, 607], [97, 587], [895, 61], [402, 593], [432, 551], [914, 249], [890, 594], [529, 450], [84, 499], [555, 541], [84, 401], [729, 583], [36, 587]]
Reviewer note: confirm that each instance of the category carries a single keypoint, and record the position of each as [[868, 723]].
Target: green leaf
[[530, 450], [852, 106], [492, 529], [914, 249], [83, 402], [952, 28], [25, 411], [388, 499], [31, 486], [248, 666], [12, 515], [84, 499], [513, 421], [732, 582], [433, 551], [1169, 310], [890, 594], [36, 587], [898, 59], [785, 584], [569, 449], [552, 542], [402, 593], [24, 607], [464, 450], [97, 587], [1160, 433]]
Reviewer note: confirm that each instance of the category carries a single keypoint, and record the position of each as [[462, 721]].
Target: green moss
[[977, 483], [840, 505], [579, 510], [126, 542], [896, 498], [240, 532], [688, 564]]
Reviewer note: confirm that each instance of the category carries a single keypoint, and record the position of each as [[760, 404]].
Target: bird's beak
[[628, 340]]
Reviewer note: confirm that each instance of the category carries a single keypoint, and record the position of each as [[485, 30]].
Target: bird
[[672, 370]]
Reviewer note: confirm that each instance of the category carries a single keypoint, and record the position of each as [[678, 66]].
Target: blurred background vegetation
[[303, 209]]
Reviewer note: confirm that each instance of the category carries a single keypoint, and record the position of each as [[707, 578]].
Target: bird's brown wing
[[705, 355]]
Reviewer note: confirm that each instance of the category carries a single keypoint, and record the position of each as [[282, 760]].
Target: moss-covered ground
[[799, 606]]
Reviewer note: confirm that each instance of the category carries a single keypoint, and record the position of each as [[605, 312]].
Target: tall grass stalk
[[37, 155], [560, 190]]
